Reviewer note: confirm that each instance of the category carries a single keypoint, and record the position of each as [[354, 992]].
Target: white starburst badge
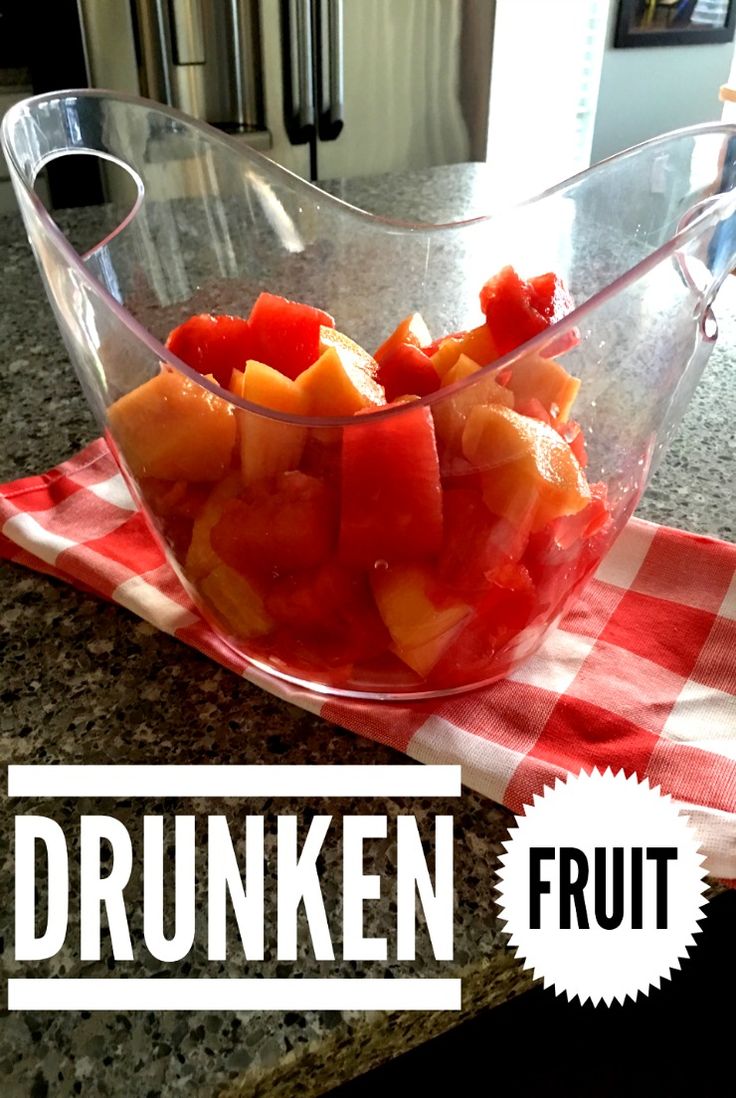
[[601, 887]]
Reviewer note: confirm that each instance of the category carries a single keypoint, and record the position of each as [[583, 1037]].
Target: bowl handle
[[116, 191], [708, 256], [44, 129]]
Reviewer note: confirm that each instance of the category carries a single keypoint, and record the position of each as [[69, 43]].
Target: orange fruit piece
[[173, 429], [529, 471]]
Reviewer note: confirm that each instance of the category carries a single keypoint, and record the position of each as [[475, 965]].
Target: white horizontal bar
[[222, 994], [233, 781]]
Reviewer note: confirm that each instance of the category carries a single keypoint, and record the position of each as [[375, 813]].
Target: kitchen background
[[337, 88]]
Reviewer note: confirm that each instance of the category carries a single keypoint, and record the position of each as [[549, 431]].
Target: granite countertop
[[83, 681]]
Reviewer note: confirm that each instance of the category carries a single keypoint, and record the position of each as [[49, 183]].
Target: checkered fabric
[[641, 674]]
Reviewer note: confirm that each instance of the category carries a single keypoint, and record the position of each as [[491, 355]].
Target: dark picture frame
[[629, 31]]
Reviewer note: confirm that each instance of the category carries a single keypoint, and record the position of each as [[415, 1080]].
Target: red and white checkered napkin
[[640, 675]]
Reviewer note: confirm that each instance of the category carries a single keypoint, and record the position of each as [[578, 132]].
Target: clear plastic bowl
[[643, 241]]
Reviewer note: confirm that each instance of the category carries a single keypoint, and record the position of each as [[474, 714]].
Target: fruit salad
[[342, 531]]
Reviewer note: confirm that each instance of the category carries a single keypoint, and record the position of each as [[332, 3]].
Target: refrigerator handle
[[187, 32], [298, 62], [154, 33], [331, 82]]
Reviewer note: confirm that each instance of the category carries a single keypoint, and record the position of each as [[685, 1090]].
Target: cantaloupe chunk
[[173, 429], [545, 379], [451, 412], [338, 384], [477, 344], [513, 497], [412, 329], [269, 446], [420, 630], [331, 337], [201, 557], [525, 465], [237, 378], [236, 602]]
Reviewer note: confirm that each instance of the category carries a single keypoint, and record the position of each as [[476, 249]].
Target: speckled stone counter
[[83, 681]]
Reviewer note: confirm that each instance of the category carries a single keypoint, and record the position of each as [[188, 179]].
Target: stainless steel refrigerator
[[329, 88]]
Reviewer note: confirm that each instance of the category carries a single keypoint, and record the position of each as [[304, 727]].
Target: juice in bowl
[[383, 458]]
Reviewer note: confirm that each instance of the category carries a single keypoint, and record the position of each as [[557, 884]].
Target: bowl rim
[[711, 210]]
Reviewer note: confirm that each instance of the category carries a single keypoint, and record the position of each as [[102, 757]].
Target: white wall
[[647, 91]]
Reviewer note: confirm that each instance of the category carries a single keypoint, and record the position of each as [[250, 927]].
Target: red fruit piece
[[277, 526], [550, 297], [568, 529], [516, 310], [407, 370], [508, 606], [286, 334], [476, 544], [555, 304], [333, 603], [391, 502], [412, 330], [311, 598], [214, 345], [567, 549]]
